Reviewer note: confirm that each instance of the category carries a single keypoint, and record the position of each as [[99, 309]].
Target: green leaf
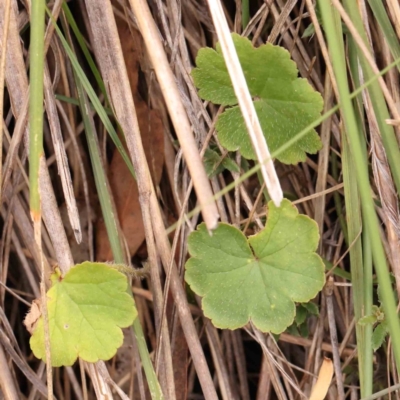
[[214, 164], [301, 315], [259, 278], [379, 335], [304, 331], [87, 309], [309, 31], [300, 326], [367, 320], [293, 330], [311, 308], [285, 104]]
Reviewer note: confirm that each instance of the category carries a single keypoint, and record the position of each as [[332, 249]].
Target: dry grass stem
[[245, 103], [4, 40], [176, 111]]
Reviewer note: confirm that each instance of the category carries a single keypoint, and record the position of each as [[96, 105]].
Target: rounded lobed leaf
[[212, 79], [87, 309], [285, 104], [259, 278], [214, 163]]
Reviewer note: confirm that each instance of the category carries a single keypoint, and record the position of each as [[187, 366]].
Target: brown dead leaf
[[132, 48], [180, 360], [33, 316], [123, 186], [324, 380]]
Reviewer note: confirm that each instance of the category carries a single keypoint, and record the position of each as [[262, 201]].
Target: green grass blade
[[100, 178], [75, 102], [379, 11], [84, 48], [361, 264], [354, 227], [377, 99], [368, 208], [95, 100]]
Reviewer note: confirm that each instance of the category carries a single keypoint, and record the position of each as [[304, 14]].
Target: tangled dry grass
[[193, 359]]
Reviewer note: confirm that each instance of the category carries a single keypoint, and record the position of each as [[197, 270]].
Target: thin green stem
[[265, 191], [36, 53], [383, 393], [338, 200], [368, 301], [245, 13]]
